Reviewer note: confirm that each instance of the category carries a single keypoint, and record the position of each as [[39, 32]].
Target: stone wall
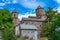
[[30, 33]]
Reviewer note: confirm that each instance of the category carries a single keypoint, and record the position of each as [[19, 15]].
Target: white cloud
[[2, 4], [5, 2], [58, 9], [58, 1], [15, 1], [32, 4], [25, 15], [1, 7], [26, 0], [8, 2], [2, 0]]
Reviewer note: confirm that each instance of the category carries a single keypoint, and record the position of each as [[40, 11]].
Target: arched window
[[14, 15]]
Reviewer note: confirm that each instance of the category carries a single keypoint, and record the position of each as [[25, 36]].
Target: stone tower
[[16, 23], [39, 12], [15, 17]]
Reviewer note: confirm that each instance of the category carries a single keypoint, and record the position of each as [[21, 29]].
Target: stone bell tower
[[15, 17], [16, 23], [39, 12]]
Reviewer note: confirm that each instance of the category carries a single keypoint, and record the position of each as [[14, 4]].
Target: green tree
[[50, 14], [50, 26], [7, 24]]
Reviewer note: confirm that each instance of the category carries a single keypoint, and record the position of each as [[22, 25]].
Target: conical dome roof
[[14, 11], [39, 7]]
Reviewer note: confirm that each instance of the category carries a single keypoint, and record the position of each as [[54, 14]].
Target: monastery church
[[31, 26]]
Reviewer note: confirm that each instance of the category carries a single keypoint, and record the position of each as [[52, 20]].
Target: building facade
[[24, 29], [29, 30], [37, 20]]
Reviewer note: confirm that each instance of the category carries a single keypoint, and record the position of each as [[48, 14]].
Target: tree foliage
[[52, 25], [6, 24]]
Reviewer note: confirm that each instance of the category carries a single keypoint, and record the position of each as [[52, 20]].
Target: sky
[[27, 8]]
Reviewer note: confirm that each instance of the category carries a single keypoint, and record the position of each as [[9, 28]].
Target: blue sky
[[27, 7]]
